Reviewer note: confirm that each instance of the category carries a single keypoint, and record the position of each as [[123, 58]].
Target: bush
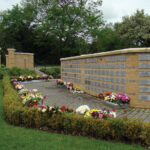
[[128, 130], [3, 71], [18, 72], [54, 71]]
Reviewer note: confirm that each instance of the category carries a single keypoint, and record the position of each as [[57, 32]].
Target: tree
[[67, 21], [135, 29]]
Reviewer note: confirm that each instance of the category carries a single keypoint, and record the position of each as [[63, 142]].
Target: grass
[[18, 138]]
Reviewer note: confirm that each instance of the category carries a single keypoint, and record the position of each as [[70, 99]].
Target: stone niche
[[126, 71], [20, 60]]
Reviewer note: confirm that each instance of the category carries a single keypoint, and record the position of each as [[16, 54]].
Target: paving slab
[[61, 96]]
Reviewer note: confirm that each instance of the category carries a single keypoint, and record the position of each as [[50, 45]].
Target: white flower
[[24, 101], [114, 114], [82, 109], [44, 110], [34, 90], [32, 95]]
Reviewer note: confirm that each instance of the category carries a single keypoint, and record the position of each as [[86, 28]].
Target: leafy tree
[[135, 29], [68, 21]]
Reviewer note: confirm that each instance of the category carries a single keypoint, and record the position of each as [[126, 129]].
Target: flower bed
[[118, 129], [31, 78]]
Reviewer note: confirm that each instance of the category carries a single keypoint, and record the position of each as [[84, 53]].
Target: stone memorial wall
[[126, 71], [20, 60]]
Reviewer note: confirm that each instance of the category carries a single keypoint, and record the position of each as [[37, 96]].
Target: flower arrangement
[[122, 98], [18, 86], [101, 96], [66, 109], [119, 98], [82, 109], [69, 85], [60, 82], [107, 94], [105, 113], [77, 89]]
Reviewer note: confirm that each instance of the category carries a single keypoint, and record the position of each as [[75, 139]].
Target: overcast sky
[[113, 10]]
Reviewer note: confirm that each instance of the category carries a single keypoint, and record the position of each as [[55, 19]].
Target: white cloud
[[114, 10], [7, 4]]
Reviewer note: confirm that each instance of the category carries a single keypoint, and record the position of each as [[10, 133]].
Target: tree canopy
[[52, 29]]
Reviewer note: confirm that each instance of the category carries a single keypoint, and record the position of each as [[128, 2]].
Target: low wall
[[21, 60], [126, 71]]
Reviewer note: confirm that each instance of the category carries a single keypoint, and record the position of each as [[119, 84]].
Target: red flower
[[101, 96], [63, 108], [113, 110], [34, 104], [125, 111], [31, 104], [45, 96]]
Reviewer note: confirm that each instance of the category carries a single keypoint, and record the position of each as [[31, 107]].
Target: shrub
[[54, 71], [129, 130], [18, 72]]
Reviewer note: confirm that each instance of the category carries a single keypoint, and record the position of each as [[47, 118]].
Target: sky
[[113, 10]]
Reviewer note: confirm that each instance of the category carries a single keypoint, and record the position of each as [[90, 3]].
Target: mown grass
[[18, 138]]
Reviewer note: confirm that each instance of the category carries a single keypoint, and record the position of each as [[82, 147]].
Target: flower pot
[[116, 105]]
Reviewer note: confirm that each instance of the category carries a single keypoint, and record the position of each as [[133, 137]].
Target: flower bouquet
[[117, 100], [104, 114]]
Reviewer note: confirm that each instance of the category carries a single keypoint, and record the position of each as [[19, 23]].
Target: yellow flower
[[34, 100]]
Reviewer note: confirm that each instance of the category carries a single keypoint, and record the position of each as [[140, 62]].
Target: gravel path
[[61, 96]]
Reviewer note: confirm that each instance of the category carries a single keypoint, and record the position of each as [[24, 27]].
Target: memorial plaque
[[144, 56], [144, 65], [144, 97], [144, 89], [144, 73], [144, 81]]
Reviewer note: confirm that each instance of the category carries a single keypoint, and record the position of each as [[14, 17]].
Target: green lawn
[[17, 138]]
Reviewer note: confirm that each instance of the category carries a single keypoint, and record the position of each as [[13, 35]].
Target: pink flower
[[113, 110], [110, 115], [100, 115], [43, 106]]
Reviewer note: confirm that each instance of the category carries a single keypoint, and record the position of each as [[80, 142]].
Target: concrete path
[[61, 96]]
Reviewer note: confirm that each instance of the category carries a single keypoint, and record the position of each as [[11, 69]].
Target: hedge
[[125, 130]]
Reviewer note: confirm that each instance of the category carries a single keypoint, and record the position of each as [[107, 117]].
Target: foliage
[[54, 71], [51, 29], [135, 29], [15, 72]]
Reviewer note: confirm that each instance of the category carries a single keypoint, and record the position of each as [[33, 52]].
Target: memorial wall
[[126, 71], [20, 60]]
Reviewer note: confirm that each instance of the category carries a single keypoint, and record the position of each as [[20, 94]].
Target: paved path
[[62, 96]]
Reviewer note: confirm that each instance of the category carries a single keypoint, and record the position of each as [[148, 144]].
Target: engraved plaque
[[144, 56], [144, 81], [145, 89], [144, 97], [144, 65], [144, 73]]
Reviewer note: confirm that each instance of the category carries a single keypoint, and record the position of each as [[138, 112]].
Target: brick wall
[[21, 60], [126, 71]]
